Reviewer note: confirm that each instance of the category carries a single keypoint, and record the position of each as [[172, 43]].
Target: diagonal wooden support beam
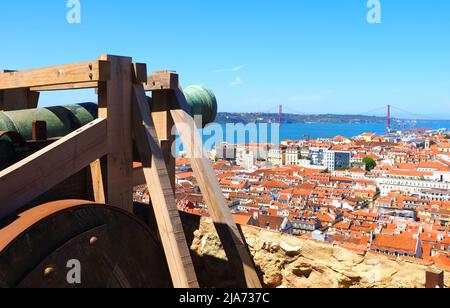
[[230, 236], [33, 176], [97, 182], [162, 196]]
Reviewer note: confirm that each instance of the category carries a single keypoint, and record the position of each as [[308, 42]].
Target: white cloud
[[237, 81], [233, 69]]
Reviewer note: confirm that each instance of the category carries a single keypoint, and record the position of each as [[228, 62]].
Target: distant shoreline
[[237, 117]]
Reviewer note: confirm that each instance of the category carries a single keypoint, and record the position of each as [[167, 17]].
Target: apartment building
[[334, 160], [277, 156], [225, 151], [316, 155], [412, 182], [247, 161], [293, 155]]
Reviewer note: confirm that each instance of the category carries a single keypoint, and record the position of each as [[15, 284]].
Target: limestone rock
[[289, 249], [290, 262]]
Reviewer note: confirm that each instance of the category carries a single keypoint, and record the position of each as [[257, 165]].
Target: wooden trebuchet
[[101, 153]]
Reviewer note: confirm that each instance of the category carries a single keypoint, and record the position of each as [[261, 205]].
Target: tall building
[[334, 160], [316, 156], [293, 155], [247, 161], [277, 156], [226, 151]]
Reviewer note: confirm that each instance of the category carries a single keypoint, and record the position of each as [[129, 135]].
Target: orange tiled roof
[[182, 161], [185, 175], [242, 219], [395, 243]]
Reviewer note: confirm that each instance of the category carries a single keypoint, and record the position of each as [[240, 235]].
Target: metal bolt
[[48, 271], [93, 240]]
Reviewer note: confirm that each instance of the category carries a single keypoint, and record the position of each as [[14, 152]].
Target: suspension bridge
[[393, 115]]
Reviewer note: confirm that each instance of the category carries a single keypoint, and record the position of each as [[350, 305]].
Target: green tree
[[343, 168], [370, 163], [326, 171]]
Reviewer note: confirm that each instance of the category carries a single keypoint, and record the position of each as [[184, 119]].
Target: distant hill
[[230, 117]]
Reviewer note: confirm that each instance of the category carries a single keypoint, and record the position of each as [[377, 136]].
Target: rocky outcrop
[[290, 262]]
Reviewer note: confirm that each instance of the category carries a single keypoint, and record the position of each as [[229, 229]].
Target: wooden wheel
[[114, 249]]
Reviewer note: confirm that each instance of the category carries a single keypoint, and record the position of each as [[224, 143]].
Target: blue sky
[[313, 56]]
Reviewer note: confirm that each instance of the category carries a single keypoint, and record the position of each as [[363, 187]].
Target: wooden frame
[[105, 146], [230, 235], [33, 176]]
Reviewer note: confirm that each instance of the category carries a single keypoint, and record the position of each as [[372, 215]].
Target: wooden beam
[[39, 131], [33, 176], [68, 86], [162, 80], [15, 99], [33, 99], [97, 182], [56, 75], [140, 73], [162, 196], [230, 236], [162, 119], [18, 99], [115, 101]]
